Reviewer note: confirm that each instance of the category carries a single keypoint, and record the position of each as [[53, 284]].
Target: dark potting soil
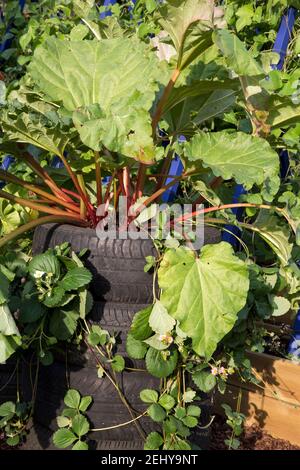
[[253, 438]]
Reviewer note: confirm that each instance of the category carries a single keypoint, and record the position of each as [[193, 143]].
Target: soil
[[253, 438]]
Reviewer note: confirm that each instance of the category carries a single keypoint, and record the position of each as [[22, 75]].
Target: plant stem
[[160, 106], [115, 384], [32, 205], [160, 191], [74, 178], [37, 189], [164, 172], [120, 425], [83, 208], [98, 178], [225, 206], [126, 181], [140, 182], [42, 173], [107, 192]]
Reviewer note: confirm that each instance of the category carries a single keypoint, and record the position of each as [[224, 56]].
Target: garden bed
[[253, 438], [274, 405]]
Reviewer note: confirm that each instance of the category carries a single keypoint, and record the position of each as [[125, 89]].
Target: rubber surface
[[120, 289]]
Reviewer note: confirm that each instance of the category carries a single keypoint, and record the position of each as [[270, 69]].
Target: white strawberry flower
[[38, 274]]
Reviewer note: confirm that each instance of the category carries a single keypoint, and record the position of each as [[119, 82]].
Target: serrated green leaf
[[63, 438], [156, 412], [247, 159], [7, 409], [63, 323], [76, 278], [118, 363], [149, 396], [44, 263], [280, 304], [189, 396], [204, 380], [167, 402], [236, 54], [153, 441], [63, 421], [204, 294], [72, 398], [13, 441], [157, 365], [135, 348], [190, 421], [193, 410], [80, 425], [80, 445], [54, 297], [85, 403], [140, 328]]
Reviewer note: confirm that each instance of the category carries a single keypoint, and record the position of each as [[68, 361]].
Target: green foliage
[[14, 417], [73, 425], [41, 297], [191, 287], [249, 160], [235, 420]]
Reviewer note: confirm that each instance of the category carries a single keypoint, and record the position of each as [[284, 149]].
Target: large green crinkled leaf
[[21, 128], [217, 103], [121, 129], [201, 87], [204, 294], [120, 76], [275, 234], [189, 24], [236, 55], [247, 159], [283, 112], [187, 115], [82, 73]]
